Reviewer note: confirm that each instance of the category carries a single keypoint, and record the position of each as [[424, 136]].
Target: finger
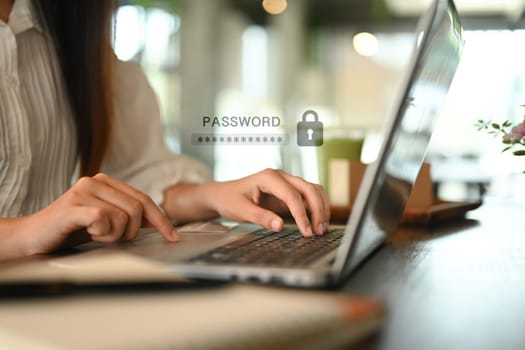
[[128, 204], [326, 206], [273, 183], [324, 201], [145, 223], [150, 210], [103, 221], [314, 196], [99, 227], [91, 218], [260, 216], [316, 191], [118, 220]]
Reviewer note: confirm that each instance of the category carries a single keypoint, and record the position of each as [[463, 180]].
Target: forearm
[[29, 235], [13, 241], [190, 202]]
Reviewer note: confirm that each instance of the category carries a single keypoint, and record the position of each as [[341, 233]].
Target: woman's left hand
[[258, 198]]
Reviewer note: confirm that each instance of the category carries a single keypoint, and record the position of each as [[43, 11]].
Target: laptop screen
[[387, 183]]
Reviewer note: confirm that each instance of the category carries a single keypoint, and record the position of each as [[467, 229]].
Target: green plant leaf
[[520, 152]]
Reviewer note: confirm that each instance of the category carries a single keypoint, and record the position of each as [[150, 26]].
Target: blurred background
[[345, 59]]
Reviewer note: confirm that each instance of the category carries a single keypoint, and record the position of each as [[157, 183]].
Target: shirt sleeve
[[138, 154]]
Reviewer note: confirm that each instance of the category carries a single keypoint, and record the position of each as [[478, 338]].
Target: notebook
[[246, 252], [229, 317]]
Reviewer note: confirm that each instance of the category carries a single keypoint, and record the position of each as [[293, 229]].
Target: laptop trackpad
[[195, 238], [204, 227]]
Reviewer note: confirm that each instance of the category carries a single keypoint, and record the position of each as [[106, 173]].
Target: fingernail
[[276, 225], [175, 236], [321, 229], [325, 227], [309, 231]]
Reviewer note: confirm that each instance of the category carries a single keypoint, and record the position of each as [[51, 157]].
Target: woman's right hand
[[107, 209]]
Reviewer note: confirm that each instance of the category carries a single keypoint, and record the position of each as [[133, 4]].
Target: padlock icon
[[310, 133]]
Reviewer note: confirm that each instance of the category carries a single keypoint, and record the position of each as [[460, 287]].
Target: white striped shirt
[[38, 153]]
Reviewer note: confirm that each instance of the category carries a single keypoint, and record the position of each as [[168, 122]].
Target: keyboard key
[[267, 248]]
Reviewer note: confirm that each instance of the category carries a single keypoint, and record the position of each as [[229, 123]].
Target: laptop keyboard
[[264, 247]]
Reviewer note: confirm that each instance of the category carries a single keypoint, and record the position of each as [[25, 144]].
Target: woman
[[66, 101]]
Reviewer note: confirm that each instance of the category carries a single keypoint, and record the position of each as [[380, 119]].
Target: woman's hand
[[107, 209], [258, 198]]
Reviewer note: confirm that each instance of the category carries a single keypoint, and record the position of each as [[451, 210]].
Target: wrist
[[14, 238], [189, 202]]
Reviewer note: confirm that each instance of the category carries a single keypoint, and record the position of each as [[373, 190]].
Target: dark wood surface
[[456, 285]]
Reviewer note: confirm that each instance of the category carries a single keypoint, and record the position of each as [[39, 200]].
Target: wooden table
[[458, 285]]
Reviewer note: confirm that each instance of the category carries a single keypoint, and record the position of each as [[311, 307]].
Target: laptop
[[250, 253]]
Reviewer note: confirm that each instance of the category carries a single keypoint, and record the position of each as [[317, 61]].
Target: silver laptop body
[[385, 187]]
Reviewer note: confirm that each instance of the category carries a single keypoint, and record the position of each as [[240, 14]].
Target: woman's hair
[[81, 30]]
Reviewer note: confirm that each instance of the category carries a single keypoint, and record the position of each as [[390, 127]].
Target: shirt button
[[12, 81]]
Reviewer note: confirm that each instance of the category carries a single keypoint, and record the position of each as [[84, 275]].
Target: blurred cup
[[339, 143]]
